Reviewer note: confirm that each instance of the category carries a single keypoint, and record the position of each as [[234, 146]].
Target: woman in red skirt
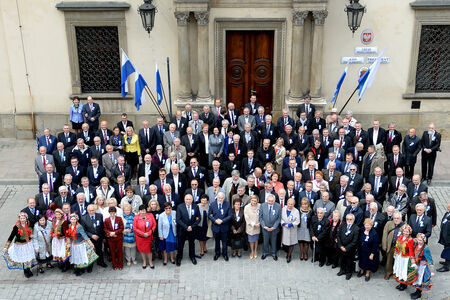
[[144, 225]]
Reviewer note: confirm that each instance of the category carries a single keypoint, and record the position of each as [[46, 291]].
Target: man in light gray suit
[[109, 160], [246, 118], [195, 123], [41, 160], [169, 136], [269, 218]]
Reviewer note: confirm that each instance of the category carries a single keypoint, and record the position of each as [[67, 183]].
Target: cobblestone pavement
[[237, 279]]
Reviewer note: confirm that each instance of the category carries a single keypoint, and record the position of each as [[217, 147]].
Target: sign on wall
[[352, 60], [366, 50], [384, 59], [367, 36]]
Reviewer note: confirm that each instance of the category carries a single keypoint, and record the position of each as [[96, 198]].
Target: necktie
[[232, 117], [121, 170], [50, 182], [194, 195], [340, 143], [346, 168], [218, 111], [121, 192], [292, 172], [282, 202], [160, 130], [357, 135], [307, 108], [309, 195], [90, 106], [104, 137], [98, 148], [146, 135], [395, 160], [356, 155], [267, 129], [46, 201], [376, 184], [112, 158], [44, 161], [168, 199], [220, 206], [82, 209], [61, 156], [142, 190], [32, 211], [70, 190], [195, 126], [311, 175], [250, 161], [92, 218], [75, 171], [398, 182], [162, 184], [297, 186], [48, 141], [235, 149], [195, 172], [270, 210], [189, 211], [348, 227]]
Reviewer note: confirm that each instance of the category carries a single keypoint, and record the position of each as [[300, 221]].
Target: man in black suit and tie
[[411, 147], [197, 172], [208, 117], [260, 116], [216, 172], [359, 135], [358, 153], [310, 173], [67, 137], [393, 138], [44, 199], [92, 223], [51, 178], [61, 159], [220, 215], [266, 153], [63, 197], [119, 188], [98, 149], [121, 169], [420, 222], [356, 181], [95, 172], [191, 143], [91, 113], [237, 148], [308, 193], [159, 130], [395, 160], [367, 162], [431, 143], [88, 190], [188, 218], [32, 212], [289, 173], [76, 171], [249, 164], [232, 116], [179, 180], [147, 139], [415, 187], [376, 134], [80, 207], [317, 122], [169, 196], [347, 237], [302, 145], [397, 180], [341, 189], [379, 185], [104, 133], [142, 189], [268, 130], [180, 122], [86, 134], [249, 139], [345, 141], [307, 107], [195, 191], [378, 218], [148, 170], [124, 123], [162, 181], [253, 105], [327, 140], [284, 121]]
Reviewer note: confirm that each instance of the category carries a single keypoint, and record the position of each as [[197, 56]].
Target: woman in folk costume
[[18, 251], [404, 261], [60, 247], [82, 249], [425, 267], [42, 242]]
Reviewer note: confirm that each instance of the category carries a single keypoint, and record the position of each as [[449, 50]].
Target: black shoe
[[102, 264], [225, 257], [275, 257], [263, 256], [428, 183], [49, 266], [216, 257], [77, 273], [164, 263], [403, 287], [144, 267], [334, 266], [89, 270], [398, 286], [348, 276], [28, 273], [41, 270], [340, 273], [360, 274], [152, 267], [194, 261], [288, 259], [367, 278], [321, 264], [416, 295], [328, 264], [443, 269], [178, 262]]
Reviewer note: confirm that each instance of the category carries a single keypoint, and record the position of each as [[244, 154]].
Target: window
[[433, 65], [98, 58]]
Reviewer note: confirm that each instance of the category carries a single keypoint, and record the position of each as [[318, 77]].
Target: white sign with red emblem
[[367, 36]]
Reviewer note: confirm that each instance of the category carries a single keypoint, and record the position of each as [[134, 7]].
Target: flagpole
[[169, 86], [152, 98], [348, 99], [335, 99]]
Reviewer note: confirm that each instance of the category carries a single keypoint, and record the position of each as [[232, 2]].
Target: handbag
[[237, 243]]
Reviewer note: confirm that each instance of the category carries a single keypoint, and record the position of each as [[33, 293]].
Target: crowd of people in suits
[[340, 192]]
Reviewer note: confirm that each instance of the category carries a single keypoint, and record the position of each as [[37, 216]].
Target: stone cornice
[[182, 17], [92, 6], [319, 17], [202, 17], [299, 16]]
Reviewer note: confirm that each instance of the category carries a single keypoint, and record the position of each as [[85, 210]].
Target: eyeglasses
[[354, 202], [352, 169]]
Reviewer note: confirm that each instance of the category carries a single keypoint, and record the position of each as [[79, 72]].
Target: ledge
[[92, 6], [430, 4], [103, 96], [436, 96]]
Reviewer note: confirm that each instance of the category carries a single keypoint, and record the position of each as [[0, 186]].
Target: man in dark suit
[[104, 133], [232, 116], [191, 143], [339, 152], [179, 180], [317, 122], [216, 172], [63, 197], [44, 199], [345, 141], [124, 123], [415, 187], [86, 134], [292, 155], [395, 160], [67, 137], [32, 211], [188, 218], [91, 113], [397, 180], [309, 174], [420, 222], [95, 172], [195, 191], [358, 153], [159, 130], [378, 218], [331, 175], [48, 141], [92, 223], [98, 149], [61, 159], [80, 207], [284, 121], [220, 215], [260, 116], [376, 134], [307, 107], [147, 139], [349, 130], [308, 193], [249, 164], [356, 181], [360, 136], [431, 143], [290, 139], [180, 122], [148, 170], [162, 181], [170, 197], [208, 117], [88, 190], [379, 185], [121, 169], [393, 138], [303, 122], [347, 237], [289, 173], [345, 166], [51, 178], [326, 139], [119, 188], [410, 148], [142, 189], [268, 130], [231, 164], [253, 105], [268, 190], [265, 154], [341, 189], [367, 162], [237, 148], [197, 172]]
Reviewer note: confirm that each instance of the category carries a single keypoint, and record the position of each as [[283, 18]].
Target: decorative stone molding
[[299, 16], [182, 17], [319, 17], [202, 17]]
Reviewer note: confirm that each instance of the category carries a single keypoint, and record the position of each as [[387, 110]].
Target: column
[[298, 20], [203, 57], [184, 74], [317, 50]]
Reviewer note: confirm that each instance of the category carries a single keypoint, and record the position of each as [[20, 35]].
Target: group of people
[[338, 191]]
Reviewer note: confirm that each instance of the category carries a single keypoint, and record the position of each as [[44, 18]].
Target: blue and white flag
[[139, 90], [367, 79], [159, 95], [339, 84], [127, 70]]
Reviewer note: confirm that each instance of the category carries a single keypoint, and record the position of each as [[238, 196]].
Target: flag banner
[[339, 84], [139, 90], [159, 94], [367, 79], [127, 70]]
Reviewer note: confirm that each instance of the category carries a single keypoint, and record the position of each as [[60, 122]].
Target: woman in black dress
[[237, 228], [205, 223], [368, 251]]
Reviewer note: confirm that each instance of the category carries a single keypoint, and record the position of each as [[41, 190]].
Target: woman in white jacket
[[167, 232]]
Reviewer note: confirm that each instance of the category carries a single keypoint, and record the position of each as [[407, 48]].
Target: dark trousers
[[184, 235], [347, 259], [332, 254], [409, 170], [428, 161], [221, 237], [116, 248], [319, 254], [98, 245]]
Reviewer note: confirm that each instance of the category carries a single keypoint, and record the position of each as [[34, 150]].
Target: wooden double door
[[249, 67]]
